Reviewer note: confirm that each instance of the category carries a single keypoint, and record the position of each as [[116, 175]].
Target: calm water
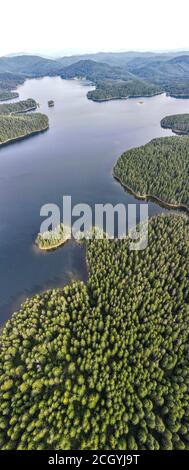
[[75, 157]]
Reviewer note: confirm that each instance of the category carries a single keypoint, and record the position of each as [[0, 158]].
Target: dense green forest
[[18, 107], [159, 168], [14, 127], [104, 365], [113, 89], [178, 123], [8, 95]]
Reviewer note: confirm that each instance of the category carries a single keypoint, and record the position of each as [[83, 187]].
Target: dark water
[[75, 157]]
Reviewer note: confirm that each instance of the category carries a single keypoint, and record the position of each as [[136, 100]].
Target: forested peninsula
[[158, 169], [14, 124], [8, 95], [108, 359], [119, 89], [178, 123], [17, 127], [18, 107]]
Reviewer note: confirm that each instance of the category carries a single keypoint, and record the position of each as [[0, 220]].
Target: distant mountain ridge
[[29, 65], [119, 58]]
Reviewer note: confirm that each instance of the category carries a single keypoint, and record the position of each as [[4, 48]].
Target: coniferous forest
[[178, 123], [18, 107], [158, 169], [116, 89], [15, 127], [8, 95], [104, 365], [14, 124]]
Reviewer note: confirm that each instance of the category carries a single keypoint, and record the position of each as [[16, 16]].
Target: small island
[[50, 103], [178, 123], [157, 170], [53, 239]]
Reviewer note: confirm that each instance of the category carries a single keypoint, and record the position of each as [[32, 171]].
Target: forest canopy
[[8, 95], [18, 106], [14, 126], [104, 365], [115, 89], [159, 169]]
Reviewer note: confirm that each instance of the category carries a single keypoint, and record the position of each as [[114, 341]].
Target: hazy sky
[[56, 26]]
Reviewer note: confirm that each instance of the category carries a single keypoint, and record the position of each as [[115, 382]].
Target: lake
[[74, 157]]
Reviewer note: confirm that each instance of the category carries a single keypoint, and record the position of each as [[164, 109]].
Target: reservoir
[[74, 157]]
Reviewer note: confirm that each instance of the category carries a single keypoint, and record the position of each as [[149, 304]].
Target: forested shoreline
[[114, 75], [8, 95], [16, 124], [107, 358], [18, 107], [13, 128], [107, 90], [178, 123], [159, 169]]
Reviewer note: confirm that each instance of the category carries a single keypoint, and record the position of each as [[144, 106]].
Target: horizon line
[[56, 55]]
